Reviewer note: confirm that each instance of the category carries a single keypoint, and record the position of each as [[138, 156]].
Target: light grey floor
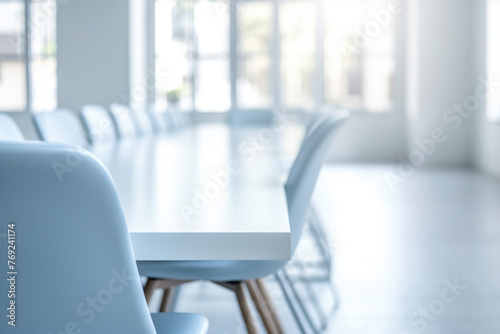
[[396, 253]]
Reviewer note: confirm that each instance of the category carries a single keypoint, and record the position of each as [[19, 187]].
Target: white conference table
[[206, 193]]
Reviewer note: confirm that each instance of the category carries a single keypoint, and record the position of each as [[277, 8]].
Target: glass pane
[[359, 46], [365, 24], [297, 82], [44, 83], [378, 84], [173, 27], [211, 22], [254, 82], [255, 26], [384, 42], [173, 82], [213, 92], [43, 28], [12, 85], [173, 46], [342, 79], [43, 64], [12, 67], [493, 55], [12, 34], [298, 28]]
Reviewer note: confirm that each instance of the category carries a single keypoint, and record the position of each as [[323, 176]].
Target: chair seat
[[223, 271], [179, 323]]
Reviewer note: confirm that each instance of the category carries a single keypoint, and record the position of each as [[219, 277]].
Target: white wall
[[441, 75], [488, 144], [371, 138], [92, 52]]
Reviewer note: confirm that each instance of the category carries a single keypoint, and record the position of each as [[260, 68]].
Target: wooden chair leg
[[167, 297], [269, 305], [261, 306], [239, 289], [149, 288]]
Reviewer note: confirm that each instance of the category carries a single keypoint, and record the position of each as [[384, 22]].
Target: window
[[13, 88], [254, 55], [298, 31], [360, 54], [27, 70], [240, 55], [492, 55]]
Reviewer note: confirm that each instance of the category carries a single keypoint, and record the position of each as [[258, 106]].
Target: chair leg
[[269, 304], [291, 305], [149, 288], [245, 310], [152, 284], [261, 306], [299, 301], [167, 297], [308, 285]]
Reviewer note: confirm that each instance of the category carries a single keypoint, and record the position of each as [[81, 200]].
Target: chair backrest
[[304, 173], [184, 118], [9, 131], [142, 122], [123, 121], [313, 122], [158, 121], [98, 124], [60, 126], [177, 120], [171, 120], [73, 257]]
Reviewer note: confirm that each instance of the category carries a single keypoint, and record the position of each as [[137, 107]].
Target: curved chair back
[[98, 124], [184, 119], [177, 120], [9, 131], [73, 266], [304, 173], [60, 126], [171, 121], [142, 122], [123, 121], [158, 121]]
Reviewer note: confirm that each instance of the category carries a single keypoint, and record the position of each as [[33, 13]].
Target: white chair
[[323, 263], [235, 275], [158, 120], [177, 120], [123, 121], [98, 124], [142, 122], [75, 265], [9, 131], [60, 126]]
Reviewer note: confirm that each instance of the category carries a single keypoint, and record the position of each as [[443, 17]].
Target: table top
[[207, 193]]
